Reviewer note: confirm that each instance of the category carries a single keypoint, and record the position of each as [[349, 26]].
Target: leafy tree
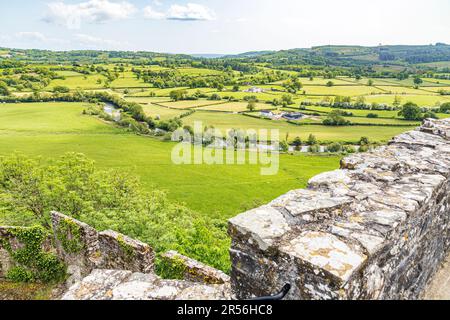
[[445, 107], [297, 143], [177, 95], [4, 91], [334, 147], [418, 81], [364, 141], [61, 89], [284, 146], [312, 140], [215, 97], [411, 111], [397, 101], [330, 83], [30, 189], [430, 115], [287, 100], [251, 106], [370, 83], [335, 118]]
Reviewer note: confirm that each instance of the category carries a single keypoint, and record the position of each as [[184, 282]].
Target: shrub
[[411, 111], [312, 140], [364, 148], [334, 147], [445, 107], [372, 115], [430, 115], [30, 189], [349, 149], [314, 148]]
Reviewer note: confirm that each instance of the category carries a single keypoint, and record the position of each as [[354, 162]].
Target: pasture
[[52, 129], [323, 133], [235, 107], [155, 111], [421, 100]]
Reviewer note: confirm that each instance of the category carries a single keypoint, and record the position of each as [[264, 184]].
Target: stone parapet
[[195, 271], [378, 228]]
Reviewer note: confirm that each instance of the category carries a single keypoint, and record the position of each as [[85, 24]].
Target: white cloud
[[31, 36], [36, 37], [96, 42], [92, 11], [189, 12], [149, 13]]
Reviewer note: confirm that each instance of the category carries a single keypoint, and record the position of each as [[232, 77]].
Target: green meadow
[[51, 129], [225, 121]]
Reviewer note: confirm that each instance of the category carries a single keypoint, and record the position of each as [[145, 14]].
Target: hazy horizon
[[219, 27]]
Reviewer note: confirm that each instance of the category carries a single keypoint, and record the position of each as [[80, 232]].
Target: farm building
[[293, 116], [267, 113], [254, 90]]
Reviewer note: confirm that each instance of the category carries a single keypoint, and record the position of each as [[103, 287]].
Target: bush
[[336, 120], [284, 147], [445, 108], [364, 141], [334, 147], [349, 149], [312, 140], [430, 115], [364, 148], [314, 148], [30, 189], [372, 115], [411, 111]]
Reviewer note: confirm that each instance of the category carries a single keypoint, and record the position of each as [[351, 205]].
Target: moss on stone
[[126, 248], [69, 234], [31, 263], [170, 268]]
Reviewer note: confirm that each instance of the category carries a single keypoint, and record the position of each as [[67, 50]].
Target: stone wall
[[378, 228], [194, 271], [10, 242], [84, 249]]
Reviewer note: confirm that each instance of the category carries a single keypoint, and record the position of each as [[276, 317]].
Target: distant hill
[[393, 57], [359, 55], [208, 55]]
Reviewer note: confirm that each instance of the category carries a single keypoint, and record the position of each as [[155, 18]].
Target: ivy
[[69, 234], [31, 262], [173, 269], [126, 248]]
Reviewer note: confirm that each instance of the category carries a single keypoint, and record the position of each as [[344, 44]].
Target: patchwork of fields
[[51, 129]]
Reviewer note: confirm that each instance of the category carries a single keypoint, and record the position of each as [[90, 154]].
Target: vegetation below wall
[[30, 189]]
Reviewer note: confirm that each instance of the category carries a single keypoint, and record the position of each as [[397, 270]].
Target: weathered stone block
[[195, 271], [123, 253], [76, 244], [376, 229]]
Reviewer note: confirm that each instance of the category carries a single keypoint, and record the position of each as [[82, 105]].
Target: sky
[[219, 26]]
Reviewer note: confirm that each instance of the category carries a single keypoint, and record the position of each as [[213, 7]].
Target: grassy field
[[421, 100], [323, 133], [82, 82], [163, 113], [147, 100], [128, 80], [342, 90], [401, 90], [190, 104], [52, 129], [235, 107]]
